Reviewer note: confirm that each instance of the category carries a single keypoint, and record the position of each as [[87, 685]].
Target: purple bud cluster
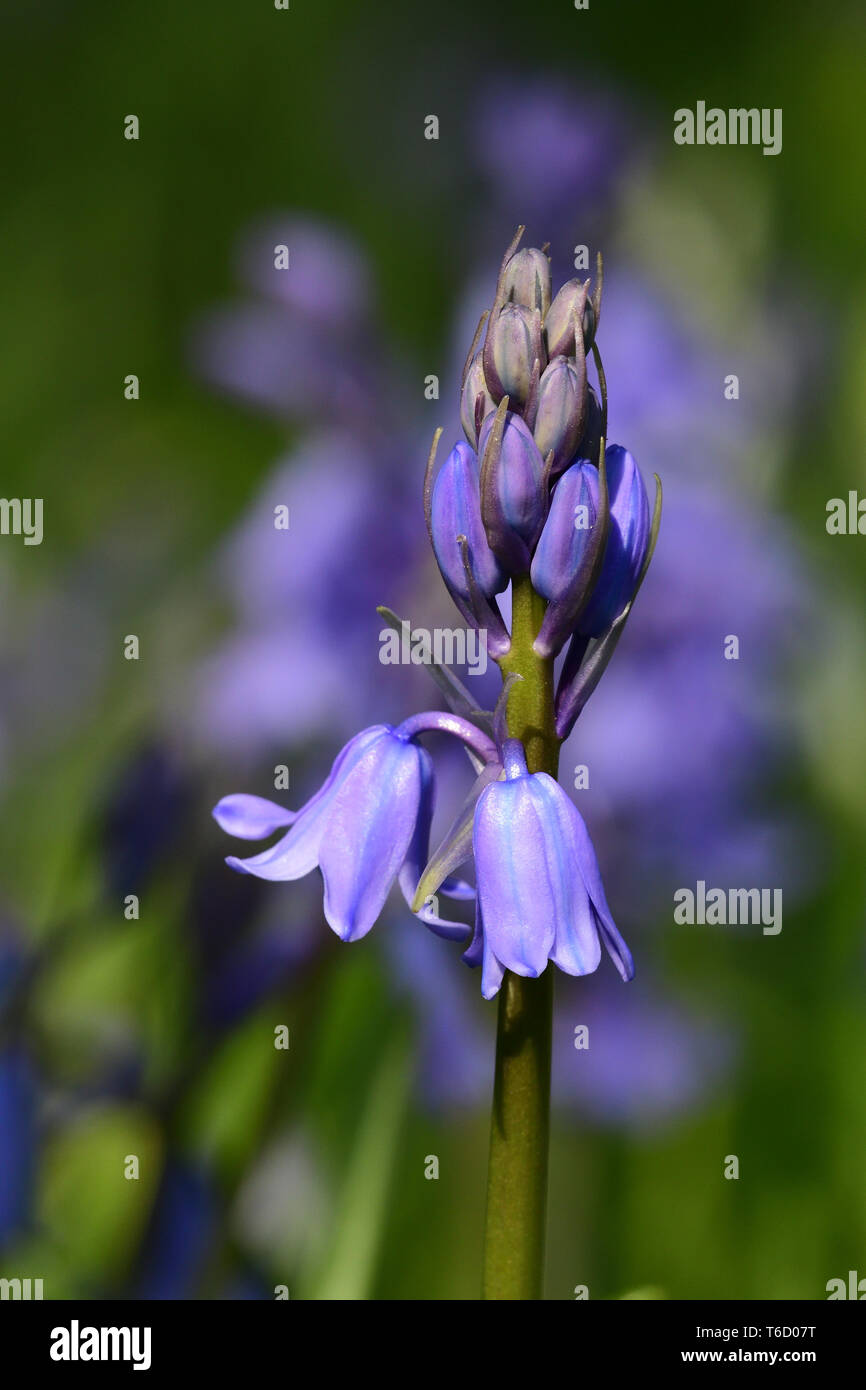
[[536, 490]]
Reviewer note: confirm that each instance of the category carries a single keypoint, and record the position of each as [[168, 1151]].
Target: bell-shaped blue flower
[[368, 825], [627, 540], [539, 894]]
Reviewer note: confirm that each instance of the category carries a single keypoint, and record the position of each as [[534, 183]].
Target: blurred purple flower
[[327, 283], [648, 1058], [296, 350], [143, 817], [17, 1140], [455, 1045], [548, 153], [183, 1226], [305, 598]]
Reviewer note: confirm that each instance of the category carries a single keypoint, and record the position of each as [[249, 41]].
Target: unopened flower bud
[[513, 491], [527, 280], [569, 525], [474, 387], [571, 302], [561, 412], [456, 511], [568, 553], [515, 345], [627, 540]]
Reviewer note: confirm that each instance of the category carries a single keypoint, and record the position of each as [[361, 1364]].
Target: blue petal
[[534, 901], [562, 543], [456, 511], [576, 948], [251, 817], [492, 973], [479, 952], [588, 862], [458, 888], [368, 830], [627, 542], [518, 899], [297, 853]]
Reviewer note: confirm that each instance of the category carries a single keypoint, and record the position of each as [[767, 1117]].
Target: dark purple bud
[[527, 280], [570, 303], [561, 412], [593, 428], [513, 489], [568, 556], [473, 387], [515, 345], [456, 511], [627, 540], [589, 324]]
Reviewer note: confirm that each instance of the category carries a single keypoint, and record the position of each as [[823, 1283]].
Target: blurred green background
[[305, 1168]]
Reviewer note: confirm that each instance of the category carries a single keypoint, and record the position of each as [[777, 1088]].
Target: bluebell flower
[[367, 826], [538, 884], [572, 147]]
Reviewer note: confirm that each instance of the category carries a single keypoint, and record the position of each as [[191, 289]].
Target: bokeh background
[[154, 1036]]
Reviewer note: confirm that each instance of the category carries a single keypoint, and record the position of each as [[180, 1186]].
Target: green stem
[[520, 1124]]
